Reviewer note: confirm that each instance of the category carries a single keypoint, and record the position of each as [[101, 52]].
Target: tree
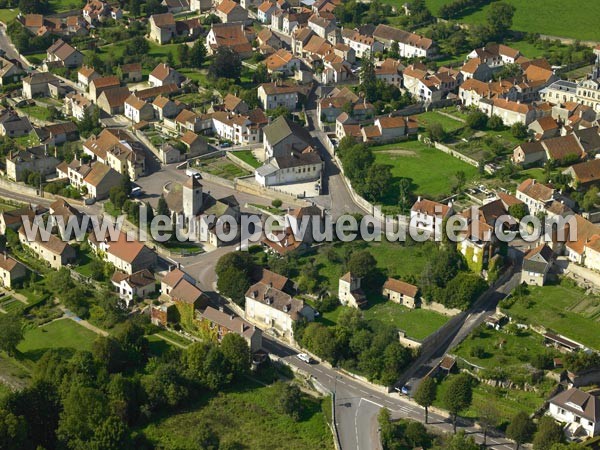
[[461, 441], [520, 428], [495, 123], [197, 55], [476, 120], [11, 333], [13, 430], [84, 409], [499, 18], [183, 54], [425, 394], [378, 183], [288, 399], [162, 209], [416, 434], [518, 210], [458, 396], [368, 81], [460, 179], [489, 416], [362, 264], [236, 353], [394, 51], [436, 132], [519, 130], [549, 432], [226, 64], [234, 272], [590, 199], [260, 75]]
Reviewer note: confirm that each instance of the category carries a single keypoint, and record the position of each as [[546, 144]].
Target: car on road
[[304, 357], [404, 390]]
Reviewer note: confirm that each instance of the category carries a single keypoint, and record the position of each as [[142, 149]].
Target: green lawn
[[563, 308], [431, 171], [417, 323], [38, 112], [248, 157], [448, 123], [63, 334], [576, 19], [5, 206], [245, 415], [7, 15]]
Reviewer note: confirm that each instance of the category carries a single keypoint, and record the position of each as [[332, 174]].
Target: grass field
[[431, 171], [417, 323], [4, 206], [448, 123], [563, 308], [63, 334], [244, 415], [37, 112], [248, 157], [576, 19]]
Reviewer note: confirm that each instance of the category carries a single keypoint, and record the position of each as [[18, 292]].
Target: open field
[[563, 308], [245, 414], [576, 19], [417, 323], [431, 171], [62, 334]]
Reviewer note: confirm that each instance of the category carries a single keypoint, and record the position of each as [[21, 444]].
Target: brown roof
[[543, 250], [273, 279], [99, 172], [185, 292], [231, 102], [145, 94], [275, 298], [34, 20], [279, 88], [61, 50], [531, 148], [163, 20], [227, 6], [106, 81], [53, 243], [161, 71], [87, 71], [229, 321], [135, 102], [265, 6], [561, 147], [125, 249], [133, 67], [189, 137], [8, 263], [537, 191], [401, 287], [173, 277], [389, 33], [547, 123], [430, 207], [587, 172], [115, 96]]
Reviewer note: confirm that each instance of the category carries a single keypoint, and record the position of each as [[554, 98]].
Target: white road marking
[[370, 401]]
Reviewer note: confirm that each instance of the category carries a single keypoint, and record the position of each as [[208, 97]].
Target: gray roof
[[281, 128], [589, 138], [580, 403], [297, 159], [538, 259]]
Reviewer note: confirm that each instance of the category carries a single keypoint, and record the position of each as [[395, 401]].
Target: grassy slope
[[576, 19], [432, 172], [245, 415]]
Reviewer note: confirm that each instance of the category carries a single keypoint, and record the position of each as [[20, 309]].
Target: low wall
[[244, 185], [237, 161], [439, 308], [217, 180], [360, 201], [408, 342]]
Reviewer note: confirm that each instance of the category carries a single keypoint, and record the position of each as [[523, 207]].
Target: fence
[[240, 162]]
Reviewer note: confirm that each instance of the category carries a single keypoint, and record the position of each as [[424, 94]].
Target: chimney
[[241, 327], [221, 308]]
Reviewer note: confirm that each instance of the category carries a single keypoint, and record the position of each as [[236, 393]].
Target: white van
[[304, 357]]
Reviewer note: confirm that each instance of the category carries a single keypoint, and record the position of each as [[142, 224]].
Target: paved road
[[9, 48], [357, 405]]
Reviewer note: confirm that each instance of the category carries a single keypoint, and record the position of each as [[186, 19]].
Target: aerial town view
[[299, 224]]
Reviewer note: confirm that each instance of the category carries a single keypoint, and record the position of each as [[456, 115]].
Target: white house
[[137, 285], [537, 196], [578, 410], [295, 167], [350, 292], [137, 110], [275, 95], [428, 216], [270, 308]]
